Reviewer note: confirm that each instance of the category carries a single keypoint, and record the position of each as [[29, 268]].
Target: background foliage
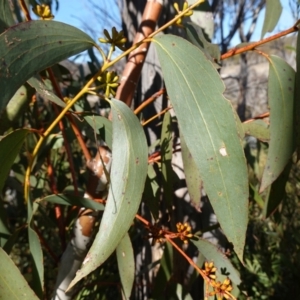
[[142, 239]]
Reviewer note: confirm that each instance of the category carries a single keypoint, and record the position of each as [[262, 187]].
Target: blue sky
[[77, 12]]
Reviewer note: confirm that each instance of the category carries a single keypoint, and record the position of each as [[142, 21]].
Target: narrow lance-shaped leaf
[[207, 122], [35, 251], [192, 176], [166, 159], [277, 192], [13, 285], [273, 12], [10, 145], [126, 266], [297, 100], [220, 260], [259, 129], [6, 18], [37, 83], [73, 200], [30, 47], [128, 175], [281, 102]]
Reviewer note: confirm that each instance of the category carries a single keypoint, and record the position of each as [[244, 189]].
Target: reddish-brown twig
[[253, 45], [149, 100]]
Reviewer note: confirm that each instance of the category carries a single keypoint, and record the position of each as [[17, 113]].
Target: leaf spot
[[119, 117], [123, 254], [223, 151]]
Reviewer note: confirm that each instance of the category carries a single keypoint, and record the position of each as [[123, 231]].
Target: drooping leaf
[[203, 17], [208, 124], [4, 231], [220, 260], [125, 258], [6, 18], [281, 98], [73, 200], [12, 240], [297, 100], [10, 146], [13, 285], [30, 47], [35, 251], [258, 129], [164, 273], [273, 12], [151, 192], [37, 83], [197, 38], [14, 108], [254, 194], [192, 176], [102, 126], [128, 175], [166, 146], [277, 192]]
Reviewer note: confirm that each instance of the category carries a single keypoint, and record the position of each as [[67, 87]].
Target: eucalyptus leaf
[[30, 47], [125, 258], [220, 260], [281, 102], [10, 146], [13, 285], [273, 12], [128, 175], [208, 125], [65, 199], [37, 83], [6, 17], [35, 251], [259, 129]]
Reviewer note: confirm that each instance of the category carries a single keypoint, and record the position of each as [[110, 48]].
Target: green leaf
[[6, 18], [151, 193], [220, 260], [128, 175], [273, 12], [14, 109], [125, 258], [277, 192], [101, 126], [37, 83], [208, 125], [73, 200], [166, 146], [258, 129], [297, 100], [164, 273], [256, 196], [10, 146], [4, 231], [192, 176], [281, 98], [203, 17], [196, 37], [13, 285], [36, 252], [30, 47]]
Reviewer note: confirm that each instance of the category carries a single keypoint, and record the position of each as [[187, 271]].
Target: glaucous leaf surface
[[207, 122]]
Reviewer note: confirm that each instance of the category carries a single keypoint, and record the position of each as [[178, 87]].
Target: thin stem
[[262, 116], [157, 115], [252, 46], [191, 262], [148, 101], [25, 10]]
